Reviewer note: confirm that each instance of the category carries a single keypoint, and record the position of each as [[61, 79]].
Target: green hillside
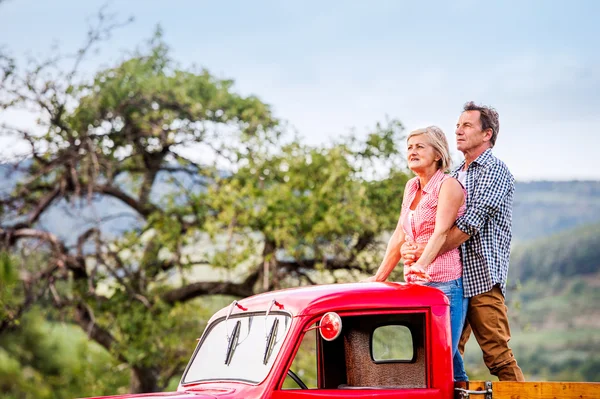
[[566, 254], [555, 326], [553, 297], [543, 208]]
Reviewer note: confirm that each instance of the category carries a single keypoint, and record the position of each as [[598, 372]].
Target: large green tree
[[191, 161]]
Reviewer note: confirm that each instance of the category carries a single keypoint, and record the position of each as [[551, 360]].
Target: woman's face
[[421, 155]]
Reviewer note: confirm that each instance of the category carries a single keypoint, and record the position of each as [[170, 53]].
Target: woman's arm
[[392, 254], [450, 199]]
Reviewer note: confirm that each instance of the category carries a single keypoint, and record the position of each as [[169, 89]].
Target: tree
[[43, 359], [270, 206], [313, 208]]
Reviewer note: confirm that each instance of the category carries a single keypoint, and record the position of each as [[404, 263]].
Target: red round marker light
[[330, 326]]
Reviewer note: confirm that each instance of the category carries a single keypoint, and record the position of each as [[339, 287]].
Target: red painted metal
[[306, 305], [330, 326], [306, 301]]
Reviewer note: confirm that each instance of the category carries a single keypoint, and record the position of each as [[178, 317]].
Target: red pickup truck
[[360, 340]]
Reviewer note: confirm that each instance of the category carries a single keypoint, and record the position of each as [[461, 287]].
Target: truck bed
[[527, 390]]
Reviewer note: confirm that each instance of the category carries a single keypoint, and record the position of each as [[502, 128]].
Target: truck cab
[[356, 340], [379, 340]]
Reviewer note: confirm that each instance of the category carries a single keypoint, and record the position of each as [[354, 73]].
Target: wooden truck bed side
[[528, 390]]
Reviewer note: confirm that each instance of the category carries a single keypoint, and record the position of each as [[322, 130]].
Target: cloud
[[328, 68], [540, 99]]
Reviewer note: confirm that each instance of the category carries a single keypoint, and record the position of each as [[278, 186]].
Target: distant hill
[[544, 208], [553, 296], [566, 254], [69, 219], [555, 328], [554, 277], [541, 208]]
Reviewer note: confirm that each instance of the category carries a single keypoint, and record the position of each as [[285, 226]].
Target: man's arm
[[411, 252], [493, 185], [454, 239]]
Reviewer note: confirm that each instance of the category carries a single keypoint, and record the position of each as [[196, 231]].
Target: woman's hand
[[411, 252], [418, 271]]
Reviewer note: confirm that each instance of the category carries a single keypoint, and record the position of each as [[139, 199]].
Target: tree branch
[[144, 209], [83, 238], [152, 162], [14, 234], [305, 275], [43, 205], [194, 290], [86, 320]]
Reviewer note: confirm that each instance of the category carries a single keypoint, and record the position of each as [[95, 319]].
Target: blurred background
[[159, 159]]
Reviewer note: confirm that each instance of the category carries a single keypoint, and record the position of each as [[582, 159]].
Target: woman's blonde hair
[[438, 141]]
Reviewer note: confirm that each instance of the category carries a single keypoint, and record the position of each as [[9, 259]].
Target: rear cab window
[[374, 351]]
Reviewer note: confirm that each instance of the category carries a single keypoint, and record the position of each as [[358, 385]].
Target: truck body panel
[[394, 343]]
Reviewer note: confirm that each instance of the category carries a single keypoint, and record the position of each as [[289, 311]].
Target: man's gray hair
[[489, 118]]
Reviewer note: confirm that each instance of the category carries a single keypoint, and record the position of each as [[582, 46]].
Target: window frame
[[413, 359], [424, 312]]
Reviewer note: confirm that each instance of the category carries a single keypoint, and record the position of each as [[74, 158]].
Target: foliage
[[191, 160], [8, 297], [311, 206], [554, 328], [17, 292], [51, 360]]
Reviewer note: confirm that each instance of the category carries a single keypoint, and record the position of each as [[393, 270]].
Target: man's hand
[[411, 252]]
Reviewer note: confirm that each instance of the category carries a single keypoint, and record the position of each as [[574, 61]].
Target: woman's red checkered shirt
[[419, 227]]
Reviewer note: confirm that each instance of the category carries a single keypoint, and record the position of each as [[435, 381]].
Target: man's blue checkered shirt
[[488, 220]]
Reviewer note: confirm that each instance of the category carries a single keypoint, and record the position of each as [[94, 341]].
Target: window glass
[[392, 343], [305, 362], [237, 349]]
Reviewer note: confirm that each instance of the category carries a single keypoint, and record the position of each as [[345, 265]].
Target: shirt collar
[[483, 159], [435, 179]]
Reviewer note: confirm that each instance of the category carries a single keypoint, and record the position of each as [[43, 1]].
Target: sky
[[327, 67]]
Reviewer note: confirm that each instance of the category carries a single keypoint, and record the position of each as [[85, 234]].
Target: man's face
[[469, 134]]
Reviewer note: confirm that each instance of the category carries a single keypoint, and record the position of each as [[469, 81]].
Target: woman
[[432, 202]]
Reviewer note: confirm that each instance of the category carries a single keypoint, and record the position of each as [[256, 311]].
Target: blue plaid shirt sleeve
[[493, 185]]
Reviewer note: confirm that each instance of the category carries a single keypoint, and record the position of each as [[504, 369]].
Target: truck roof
[[317, 299]]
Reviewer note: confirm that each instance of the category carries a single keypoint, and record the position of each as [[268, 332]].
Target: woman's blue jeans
[[458, 312]]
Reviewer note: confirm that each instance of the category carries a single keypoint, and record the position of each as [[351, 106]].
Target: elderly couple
[[470, 209]]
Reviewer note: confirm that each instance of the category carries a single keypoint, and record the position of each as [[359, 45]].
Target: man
[[483, 234]]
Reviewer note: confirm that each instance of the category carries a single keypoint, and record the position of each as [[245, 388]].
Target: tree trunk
[[268, 262], [143, 380]]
